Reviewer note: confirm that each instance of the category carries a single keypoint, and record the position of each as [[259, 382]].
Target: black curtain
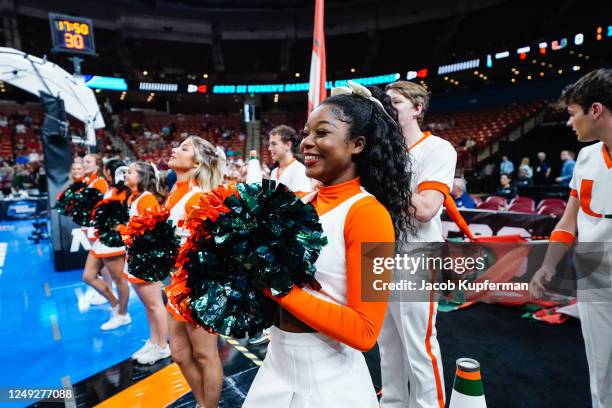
[[58, 159]]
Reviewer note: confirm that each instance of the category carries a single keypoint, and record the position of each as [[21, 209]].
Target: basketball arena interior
[[124, 90]]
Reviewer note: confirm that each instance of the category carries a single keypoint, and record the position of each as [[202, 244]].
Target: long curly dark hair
[[383, 166]]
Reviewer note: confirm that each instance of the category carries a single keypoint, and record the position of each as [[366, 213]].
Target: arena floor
[[50, 338]]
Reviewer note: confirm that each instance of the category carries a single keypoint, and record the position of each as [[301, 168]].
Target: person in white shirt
[[411, 363], [290, 172], [587, 222]]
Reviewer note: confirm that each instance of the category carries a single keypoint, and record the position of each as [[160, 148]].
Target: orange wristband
[[562, 236]]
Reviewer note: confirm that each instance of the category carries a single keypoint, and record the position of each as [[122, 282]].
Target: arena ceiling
[[198, 21]]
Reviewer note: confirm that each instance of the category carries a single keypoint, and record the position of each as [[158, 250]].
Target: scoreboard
[[72, 34]]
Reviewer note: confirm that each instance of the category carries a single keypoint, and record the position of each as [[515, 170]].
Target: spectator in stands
[[528, 171], [523, 179], [567, 171], [34, 157], [506, 189], [162, 164], [470, 143], [20, 128], [460, 194], [3, 121], [27, 119], [6, 177], [542, 170], [22, 179], [506, 166], [170, 180], [39, 176], [20, 145]]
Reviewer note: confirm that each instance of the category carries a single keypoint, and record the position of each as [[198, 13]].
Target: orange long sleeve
[[358, 323], [147, 202], [101, 185]]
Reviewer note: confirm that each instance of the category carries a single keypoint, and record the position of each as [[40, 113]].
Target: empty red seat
[[555, 211], [521, 207], [552, 202], [501, 201], [523, 201], [490, 205]]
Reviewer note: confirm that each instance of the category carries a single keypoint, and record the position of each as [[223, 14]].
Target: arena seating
[[482, 126], [548, 206], [151, 134]]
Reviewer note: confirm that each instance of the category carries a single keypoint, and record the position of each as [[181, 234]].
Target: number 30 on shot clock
[[72, 34]]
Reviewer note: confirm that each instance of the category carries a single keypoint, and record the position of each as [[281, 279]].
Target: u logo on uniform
[[586, 193]]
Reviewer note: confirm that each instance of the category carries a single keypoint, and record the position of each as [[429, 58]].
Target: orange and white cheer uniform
[[138, 205], [183, 197], [327, 369]]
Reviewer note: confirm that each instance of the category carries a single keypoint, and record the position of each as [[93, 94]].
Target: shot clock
[[72, 34]]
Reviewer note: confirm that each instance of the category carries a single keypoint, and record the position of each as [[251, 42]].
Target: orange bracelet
[[562, 236]]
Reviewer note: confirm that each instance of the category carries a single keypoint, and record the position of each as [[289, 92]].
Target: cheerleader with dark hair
[[101, 255], [353, 145]]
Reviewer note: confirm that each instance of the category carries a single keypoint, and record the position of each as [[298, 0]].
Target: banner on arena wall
[[488, 223], [22, 209], [58, 159]]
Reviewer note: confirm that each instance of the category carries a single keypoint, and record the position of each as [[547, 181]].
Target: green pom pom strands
[[269, 239], [107, 215], [65, 200], [152, 255], [84, 202]]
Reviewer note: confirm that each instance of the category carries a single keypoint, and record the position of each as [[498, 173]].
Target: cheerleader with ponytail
[[142, 179], [354, 147], [199, 168], [100, 256]]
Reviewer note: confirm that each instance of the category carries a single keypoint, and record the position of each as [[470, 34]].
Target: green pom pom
[[107, 215], [270, 240], [84, 202], [152, 255], [65, 200]]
